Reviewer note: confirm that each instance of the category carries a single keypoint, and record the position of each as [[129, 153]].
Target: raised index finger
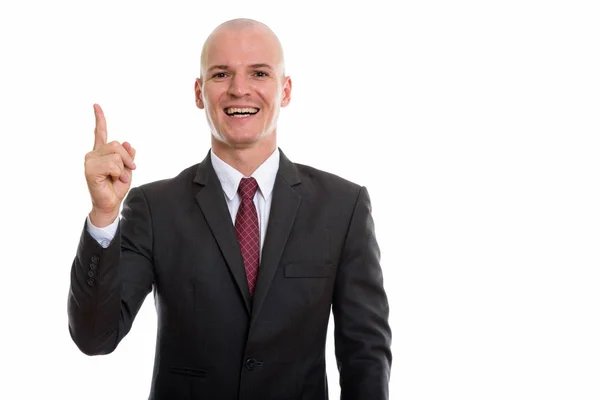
[[100, 134]]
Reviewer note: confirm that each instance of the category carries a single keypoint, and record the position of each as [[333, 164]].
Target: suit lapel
[[284, 206], [214, 207]]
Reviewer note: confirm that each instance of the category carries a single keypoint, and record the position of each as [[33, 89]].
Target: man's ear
[[198, 93], [287, 91]]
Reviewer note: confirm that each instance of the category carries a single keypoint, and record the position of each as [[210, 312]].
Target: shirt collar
[[230, 177]]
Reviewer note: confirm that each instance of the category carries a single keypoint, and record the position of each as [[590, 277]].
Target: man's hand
[[108, 172]]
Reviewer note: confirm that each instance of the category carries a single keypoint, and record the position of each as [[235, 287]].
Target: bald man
[[247, 252]]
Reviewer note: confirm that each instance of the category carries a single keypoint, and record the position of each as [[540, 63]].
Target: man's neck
[[246, 160]]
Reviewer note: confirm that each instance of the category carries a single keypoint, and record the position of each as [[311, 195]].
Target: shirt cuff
[[103, 235]]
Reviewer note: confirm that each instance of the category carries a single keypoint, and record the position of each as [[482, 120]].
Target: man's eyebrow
[[261, 65], [226, 67], [217, 67]]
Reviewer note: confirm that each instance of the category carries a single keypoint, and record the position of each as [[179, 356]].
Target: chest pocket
[[309, 270]]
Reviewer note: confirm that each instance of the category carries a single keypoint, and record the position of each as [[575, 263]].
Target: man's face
[[242, 87]]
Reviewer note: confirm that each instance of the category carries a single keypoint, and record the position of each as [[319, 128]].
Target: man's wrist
[[102, 220]]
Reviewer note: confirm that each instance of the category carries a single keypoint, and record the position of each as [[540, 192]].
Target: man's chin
[[239, 139]]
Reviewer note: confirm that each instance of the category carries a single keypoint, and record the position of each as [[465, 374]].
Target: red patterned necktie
[[246, 229]]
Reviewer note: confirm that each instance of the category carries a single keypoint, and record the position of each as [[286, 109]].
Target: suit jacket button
[[91, 281], [91, 274], [251, 363], [93, 266], [95, 259]]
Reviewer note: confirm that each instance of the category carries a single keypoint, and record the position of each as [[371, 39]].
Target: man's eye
[[219, 75], [261, 74]]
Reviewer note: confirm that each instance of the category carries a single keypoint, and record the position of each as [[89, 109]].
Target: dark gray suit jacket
[[214, 340]]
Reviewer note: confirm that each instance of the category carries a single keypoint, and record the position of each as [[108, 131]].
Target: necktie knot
[[247, 188]]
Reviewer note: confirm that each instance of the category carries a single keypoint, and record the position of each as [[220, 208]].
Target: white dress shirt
[[230, 180]]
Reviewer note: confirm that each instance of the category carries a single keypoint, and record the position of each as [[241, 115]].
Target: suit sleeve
[[109, 285], [361, 310]]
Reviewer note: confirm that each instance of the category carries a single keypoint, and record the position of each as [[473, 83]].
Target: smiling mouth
[[241, 112]]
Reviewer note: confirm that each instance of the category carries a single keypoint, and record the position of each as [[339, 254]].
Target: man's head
[[242, 83]]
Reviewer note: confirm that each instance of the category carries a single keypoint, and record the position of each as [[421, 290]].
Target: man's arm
[[360, 309], [109, 285]]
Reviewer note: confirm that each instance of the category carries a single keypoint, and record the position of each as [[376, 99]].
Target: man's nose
[[239, 86]]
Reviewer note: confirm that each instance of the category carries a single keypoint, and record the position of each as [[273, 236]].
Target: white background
[[474, 125]]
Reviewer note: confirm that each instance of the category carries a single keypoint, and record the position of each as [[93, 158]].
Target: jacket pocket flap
[[188, 371], [308, 270]]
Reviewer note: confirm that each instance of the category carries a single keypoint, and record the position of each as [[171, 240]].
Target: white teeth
[[232, 110]]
